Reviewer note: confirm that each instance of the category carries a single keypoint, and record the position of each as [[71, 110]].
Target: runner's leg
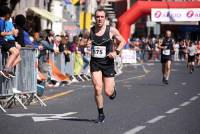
[[98, 84], [163, 71], [168, 69], [109, 83]]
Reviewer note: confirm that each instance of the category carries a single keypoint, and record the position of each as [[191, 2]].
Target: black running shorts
[[164, 58], [106, 69], [191, 58]]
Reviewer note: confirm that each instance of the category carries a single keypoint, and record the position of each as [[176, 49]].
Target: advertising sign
[[174, 15]]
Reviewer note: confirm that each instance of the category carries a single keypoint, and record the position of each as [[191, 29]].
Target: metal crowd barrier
[[6, 86], [68, 68], [27, 75], [65, 68], [22, 88], [58, 60]]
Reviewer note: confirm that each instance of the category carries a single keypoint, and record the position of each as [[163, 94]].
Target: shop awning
[[45, 14]]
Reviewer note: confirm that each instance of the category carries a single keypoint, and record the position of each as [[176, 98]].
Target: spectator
[[64, 47], [7, 33], [176, 49], [70, 66], [198, 54], [57, 46], [23, 37], [86, 52], [182, 47]]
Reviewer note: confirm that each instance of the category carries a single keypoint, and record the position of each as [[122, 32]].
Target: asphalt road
[[143, 105]]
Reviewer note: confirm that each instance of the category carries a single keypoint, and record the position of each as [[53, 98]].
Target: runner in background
[[192, 51], [167, 50], [198, 54]]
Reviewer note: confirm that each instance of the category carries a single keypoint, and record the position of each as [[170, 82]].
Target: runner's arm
[[160, 44], [114, 33]]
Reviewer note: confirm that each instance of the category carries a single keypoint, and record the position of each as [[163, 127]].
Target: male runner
[[167, 49], [192, 51], [102, 59]]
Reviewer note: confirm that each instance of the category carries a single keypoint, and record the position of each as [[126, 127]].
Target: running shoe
[[163, 80], [192, 68], [5, 74], [166, 82], [100, 118], [113, 96], [191, 71]]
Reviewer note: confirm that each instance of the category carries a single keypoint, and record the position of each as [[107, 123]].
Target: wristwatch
[[117, 52]]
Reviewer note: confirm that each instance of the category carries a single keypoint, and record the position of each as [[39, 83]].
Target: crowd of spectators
[[147, 49]]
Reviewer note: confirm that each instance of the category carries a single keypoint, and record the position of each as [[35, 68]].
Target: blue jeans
[[86, 62]]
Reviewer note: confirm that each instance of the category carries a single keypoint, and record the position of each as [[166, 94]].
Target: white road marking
[[185, 104], [21, 115], [45, 117], [135, 130], [145, 70], [127, 86], [199, 94], [55, 117], [194, 98], [130, 78], [156, 119], [173, 110], [184, 83], [175, 93], [174, 70], [150, 64]]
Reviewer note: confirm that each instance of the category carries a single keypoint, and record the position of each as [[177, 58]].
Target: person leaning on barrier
[[8, 43], [64, 47], [44, 46]]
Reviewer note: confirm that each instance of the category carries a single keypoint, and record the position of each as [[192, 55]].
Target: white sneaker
[[15, 91]]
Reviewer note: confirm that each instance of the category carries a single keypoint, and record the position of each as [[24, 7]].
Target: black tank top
[[168, 43], [104, 41]]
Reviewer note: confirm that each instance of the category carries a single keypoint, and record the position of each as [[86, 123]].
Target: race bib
[[99, 51], [166, 52]]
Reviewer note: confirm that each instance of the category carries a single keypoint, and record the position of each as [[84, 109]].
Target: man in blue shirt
[[8, 43]]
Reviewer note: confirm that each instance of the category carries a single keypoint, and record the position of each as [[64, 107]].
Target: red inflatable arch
[[141, 8]]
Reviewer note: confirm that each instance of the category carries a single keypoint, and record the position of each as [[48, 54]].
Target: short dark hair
[[101, 9], [20, 20], [4, 10]]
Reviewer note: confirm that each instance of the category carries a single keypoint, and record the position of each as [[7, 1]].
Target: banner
[[174, 15], [128, 56], [85, 20]]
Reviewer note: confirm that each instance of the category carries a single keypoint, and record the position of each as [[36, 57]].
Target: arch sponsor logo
[[190, 13], [157, 14]]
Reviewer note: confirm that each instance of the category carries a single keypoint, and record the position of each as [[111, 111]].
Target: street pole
[[84, 16]]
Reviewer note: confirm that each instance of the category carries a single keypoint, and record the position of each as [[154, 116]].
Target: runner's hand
[[112, 55]]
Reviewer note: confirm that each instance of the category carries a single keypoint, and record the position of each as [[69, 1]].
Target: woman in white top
[[176, 49]]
